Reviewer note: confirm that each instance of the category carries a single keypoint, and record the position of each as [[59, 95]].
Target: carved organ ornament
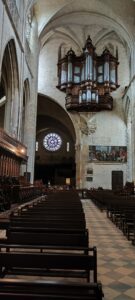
[[88, 79]]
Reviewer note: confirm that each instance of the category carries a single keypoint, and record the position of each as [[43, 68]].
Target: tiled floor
[[116, 255]]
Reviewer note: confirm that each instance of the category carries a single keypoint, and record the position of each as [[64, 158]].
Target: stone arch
[[2, 101], [43, 109], [51, 117], [10, 83]]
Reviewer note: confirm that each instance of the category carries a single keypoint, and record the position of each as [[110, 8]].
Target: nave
[[115, 254]]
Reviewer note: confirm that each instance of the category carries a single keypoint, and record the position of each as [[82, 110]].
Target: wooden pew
[[59, 218], [46, 224], [50, 264], [50, 223], [43, 238], [49, 215], [50, 206], [46, 208], [133, 237], [18, 289]]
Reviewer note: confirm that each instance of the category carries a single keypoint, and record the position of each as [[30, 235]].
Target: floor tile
[[116, 255]]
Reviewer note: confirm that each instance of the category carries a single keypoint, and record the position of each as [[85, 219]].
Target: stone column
[[129, 151], [131, 156], [78, 166], [31, 112]]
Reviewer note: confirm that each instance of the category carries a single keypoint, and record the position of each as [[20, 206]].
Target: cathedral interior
[[67, 67], [67, 103]]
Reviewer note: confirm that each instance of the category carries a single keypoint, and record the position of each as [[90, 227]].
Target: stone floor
[[116, 255]]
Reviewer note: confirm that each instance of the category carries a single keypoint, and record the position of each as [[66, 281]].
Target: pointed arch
[[26, 97], [10, 79]]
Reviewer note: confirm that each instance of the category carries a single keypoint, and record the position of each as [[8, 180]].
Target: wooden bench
[[17, 289], [45, 229], [51, 223], [48, 216], [65, 212], [43, 238], [39, 208], [4, 223], [50, 264], [50, 208]]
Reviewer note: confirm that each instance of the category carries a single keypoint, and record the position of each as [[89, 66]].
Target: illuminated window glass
[[52, 142], [36, 146], [67, 146]]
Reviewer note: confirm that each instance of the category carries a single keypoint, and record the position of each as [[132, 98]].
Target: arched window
[[26, 95], [10, 83]]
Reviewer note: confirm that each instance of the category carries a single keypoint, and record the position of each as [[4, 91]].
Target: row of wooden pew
[[48, 239], [11, 191], [120, 210]]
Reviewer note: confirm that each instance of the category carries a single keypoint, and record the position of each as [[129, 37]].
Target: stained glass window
[[52, 142]]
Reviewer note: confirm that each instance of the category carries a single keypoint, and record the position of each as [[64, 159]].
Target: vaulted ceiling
[[71, 21], [74, 19]]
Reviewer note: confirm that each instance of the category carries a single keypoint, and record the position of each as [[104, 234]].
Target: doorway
[[117, 180]]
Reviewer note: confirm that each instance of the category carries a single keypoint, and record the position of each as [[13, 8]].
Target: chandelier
[[88, 79]]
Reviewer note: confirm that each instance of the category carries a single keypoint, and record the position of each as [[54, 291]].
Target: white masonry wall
[[110, 126]]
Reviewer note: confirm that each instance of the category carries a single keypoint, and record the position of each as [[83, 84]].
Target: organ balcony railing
[[88, 79]]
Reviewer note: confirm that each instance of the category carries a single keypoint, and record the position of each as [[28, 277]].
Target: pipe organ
[[88, 79]]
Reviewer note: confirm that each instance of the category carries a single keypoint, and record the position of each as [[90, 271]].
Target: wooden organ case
[[88, 79]]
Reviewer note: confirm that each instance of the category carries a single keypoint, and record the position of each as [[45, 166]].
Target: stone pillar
[[131, 156], [31, 112], [132, 112], [84, 159], [129, 151], [81, 164], [14, 115], [78, 166]]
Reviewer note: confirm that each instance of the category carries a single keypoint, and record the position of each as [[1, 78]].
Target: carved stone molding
[[87, 127]]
